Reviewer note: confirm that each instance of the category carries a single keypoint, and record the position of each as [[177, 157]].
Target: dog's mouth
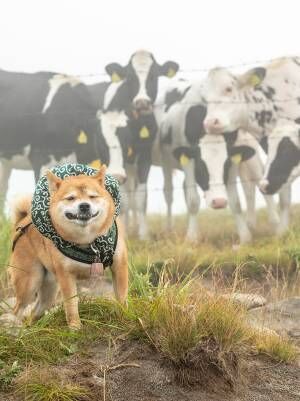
[[80, 216]]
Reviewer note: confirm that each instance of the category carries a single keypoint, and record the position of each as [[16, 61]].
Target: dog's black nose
[[84, 207]]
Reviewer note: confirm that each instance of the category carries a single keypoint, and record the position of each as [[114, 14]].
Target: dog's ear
[[100, 175], [53, 181]]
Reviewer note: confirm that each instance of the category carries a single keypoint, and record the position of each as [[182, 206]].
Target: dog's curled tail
[[21, 208]]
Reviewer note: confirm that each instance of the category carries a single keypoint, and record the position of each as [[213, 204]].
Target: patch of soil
[[135, 372]]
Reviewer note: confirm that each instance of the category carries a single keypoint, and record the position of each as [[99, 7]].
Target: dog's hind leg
[[26, 277], [46, 295]]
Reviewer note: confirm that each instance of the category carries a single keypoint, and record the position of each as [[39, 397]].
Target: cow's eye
[[228, 89]]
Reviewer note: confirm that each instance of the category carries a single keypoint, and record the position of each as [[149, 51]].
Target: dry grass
[[277, 347], [42, 385], [192, 333], [192, 330]]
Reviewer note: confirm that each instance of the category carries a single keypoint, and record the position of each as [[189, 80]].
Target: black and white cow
[[129, 125], [211, 161], [283, 162], [255, 101], [45, 119]]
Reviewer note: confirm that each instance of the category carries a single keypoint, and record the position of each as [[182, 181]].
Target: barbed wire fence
[[201, 69]]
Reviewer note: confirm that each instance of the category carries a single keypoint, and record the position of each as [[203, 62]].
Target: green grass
[[36, 387], [181, 326], [273, 345], [213, 252], [167, 309]]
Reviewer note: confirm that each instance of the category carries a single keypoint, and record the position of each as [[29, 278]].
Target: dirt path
[[134, 372]]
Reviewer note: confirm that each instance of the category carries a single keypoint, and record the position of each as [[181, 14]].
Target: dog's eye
[[70, 198], [94, 196]]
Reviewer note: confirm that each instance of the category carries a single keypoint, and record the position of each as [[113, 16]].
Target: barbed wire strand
[[196, 70], [156, 105]]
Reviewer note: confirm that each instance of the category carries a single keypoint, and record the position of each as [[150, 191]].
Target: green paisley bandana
[[103, 247]]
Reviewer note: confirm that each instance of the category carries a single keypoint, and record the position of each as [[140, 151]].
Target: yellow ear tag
[[184, 160], [115, 77], [144, 133], [255, 80], [236, 159], [171, 73], [82, 138], [129, 151], [96, 164]]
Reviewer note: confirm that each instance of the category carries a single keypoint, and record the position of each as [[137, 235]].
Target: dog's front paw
[[74, 325]]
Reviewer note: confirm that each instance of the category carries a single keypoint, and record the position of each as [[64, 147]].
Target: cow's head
[[226, 96], [141, 76], [283, 157], [212, 169]]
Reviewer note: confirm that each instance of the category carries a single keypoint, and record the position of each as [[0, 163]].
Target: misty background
[[81, 37]]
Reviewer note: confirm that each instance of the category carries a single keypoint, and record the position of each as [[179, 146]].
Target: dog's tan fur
[[36, 265]]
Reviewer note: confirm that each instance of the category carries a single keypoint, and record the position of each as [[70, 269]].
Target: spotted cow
[[256, 101], [129, 125], [46, 119], [212, 162]]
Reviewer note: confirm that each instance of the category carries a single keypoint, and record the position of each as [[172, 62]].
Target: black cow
[[46, 118], [129, 124]]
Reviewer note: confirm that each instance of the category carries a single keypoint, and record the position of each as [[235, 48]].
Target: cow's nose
[[218, 203], [212, 124], [142, 104], [84, 207], [263, 185]]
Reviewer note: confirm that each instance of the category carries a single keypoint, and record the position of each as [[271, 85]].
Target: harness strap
[[20, 230]]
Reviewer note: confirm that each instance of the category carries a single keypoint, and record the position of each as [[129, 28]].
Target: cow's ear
[[169, 69], [54, 182], [116, 72], [240, 154], [252, 78]]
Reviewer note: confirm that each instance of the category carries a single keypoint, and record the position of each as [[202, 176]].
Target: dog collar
[[104, 246]]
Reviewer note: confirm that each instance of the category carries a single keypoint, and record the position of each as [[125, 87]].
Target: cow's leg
[[143, 169], [250, 192], [5, 171], [141, 202], [285, 198], [37, 158], [251, 173], [127, 196], [168, 186], [192, 199], [131, 188], [235, 206]]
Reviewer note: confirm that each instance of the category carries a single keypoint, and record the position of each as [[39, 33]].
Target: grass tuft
[[275, 346], [36, 390]]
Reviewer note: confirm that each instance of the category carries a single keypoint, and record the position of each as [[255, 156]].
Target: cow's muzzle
[[142, 107], [213, 126], [219, 203]]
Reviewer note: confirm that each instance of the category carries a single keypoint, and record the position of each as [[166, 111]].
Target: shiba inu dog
[[82, 212]]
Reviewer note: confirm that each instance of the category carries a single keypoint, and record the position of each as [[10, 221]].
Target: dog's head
[[81, 209]]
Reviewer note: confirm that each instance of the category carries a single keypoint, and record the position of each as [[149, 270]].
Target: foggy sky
[[80, 37]]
